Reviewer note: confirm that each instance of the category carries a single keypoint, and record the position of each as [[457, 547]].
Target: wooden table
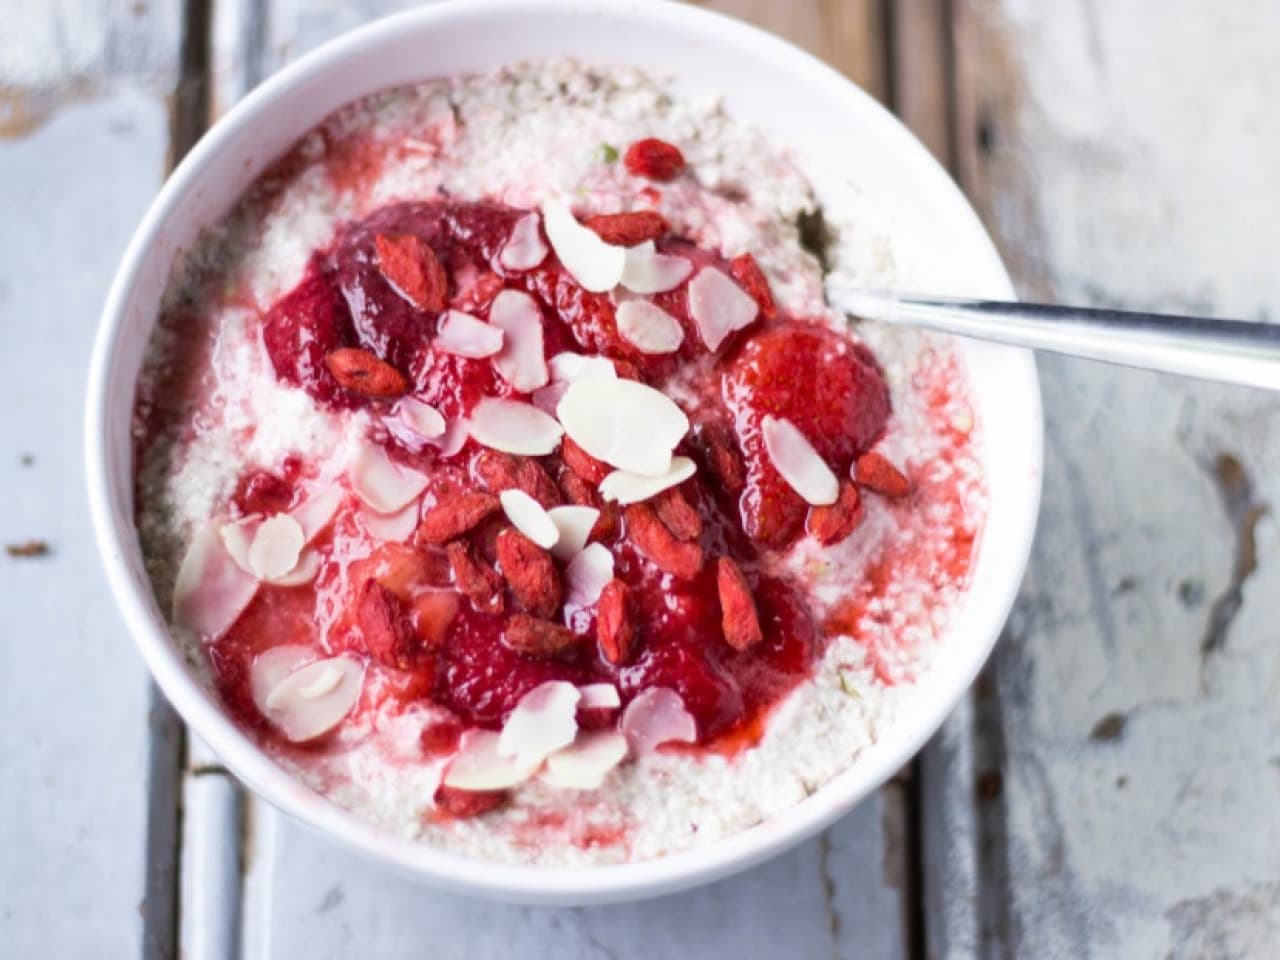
[[1112, 786]]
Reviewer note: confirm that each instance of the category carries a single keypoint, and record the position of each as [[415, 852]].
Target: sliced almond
[[574, 525], [529, 517], [585, 763], [586, 575], [316, 512], [383, 485], [277, 545], [237, 538], [521, 361], [657, 716], [305, 571], [270, 668], [524, 249], [421, 418], [648, 328], [315, 698], [598, 696], [624, 423], [800, 465], [313, 685], [211, 590], [718, 306], [467, 336], [391, 527], [566, 367], [453, 439], [544, 721], [548, 398], [596, 265], [647, 271], [623, 486], [514, 427], [479, 766]]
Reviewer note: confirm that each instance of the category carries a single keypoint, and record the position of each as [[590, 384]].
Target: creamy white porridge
[[414, 442]]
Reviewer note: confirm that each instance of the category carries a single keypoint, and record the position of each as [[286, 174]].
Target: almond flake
[[524, 249], [317, 511], [383, 485], [647, 271], [270, 668], [626, 424], [479, 766], [586, 575], [543, 722], [514, 427], [276, 546], [548, 398], [585, 763], [467, 336], [800, 465], [718, 306], [324, 682], [623, 486], [599, 696], [421, 418], [391, 527], [574, 525], [452, 440], [529, 517], [647, 327], [655, 717], [596, 265], [567, 367], [237, 538], [211, 590], [521, 361], [306, 570], [314, 698]]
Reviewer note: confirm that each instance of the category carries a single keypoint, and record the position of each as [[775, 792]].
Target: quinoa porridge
[[507, 477]]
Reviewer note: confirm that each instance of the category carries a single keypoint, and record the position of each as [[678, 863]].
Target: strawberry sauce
[[435, 616]]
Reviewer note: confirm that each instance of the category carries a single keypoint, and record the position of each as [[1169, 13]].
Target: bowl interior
[[840, 136]]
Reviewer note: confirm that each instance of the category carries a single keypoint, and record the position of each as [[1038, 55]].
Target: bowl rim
[[454, 871]]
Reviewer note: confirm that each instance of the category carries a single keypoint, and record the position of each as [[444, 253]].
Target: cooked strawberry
[[827, 386], [303, 328]]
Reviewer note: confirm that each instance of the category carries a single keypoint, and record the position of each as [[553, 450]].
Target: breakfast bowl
[[858, 160]]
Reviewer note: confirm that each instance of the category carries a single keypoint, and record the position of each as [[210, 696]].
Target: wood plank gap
[[164, 826], [189, 117], [991, 855]]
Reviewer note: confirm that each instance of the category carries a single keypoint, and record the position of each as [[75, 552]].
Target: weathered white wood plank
[[843, 895], [1124, 154], [828, 898], [83, 141]]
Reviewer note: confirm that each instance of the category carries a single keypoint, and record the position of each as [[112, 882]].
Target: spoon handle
[[1232, 351]]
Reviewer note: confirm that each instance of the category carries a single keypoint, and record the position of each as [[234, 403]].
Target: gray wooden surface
[[83, 143], [1112, 786]]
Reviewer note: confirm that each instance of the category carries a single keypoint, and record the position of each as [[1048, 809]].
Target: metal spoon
[[1232, 351]]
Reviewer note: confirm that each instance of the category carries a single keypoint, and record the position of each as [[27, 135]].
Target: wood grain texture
[[826, 898], [83, 140], [1136, 690], [850, 35]]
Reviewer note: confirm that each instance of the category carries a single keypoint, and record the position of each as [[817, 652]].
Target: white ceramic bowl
[[765, 81]]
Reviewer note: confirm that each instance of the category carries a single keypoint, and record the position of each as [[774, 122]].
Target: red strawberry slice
[[825, 384], [301, 329]]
